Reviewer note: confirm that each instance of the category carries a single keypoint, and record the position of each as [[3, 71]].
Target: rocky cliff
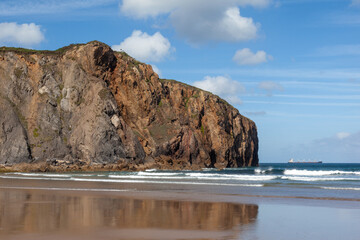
[[88, 105]]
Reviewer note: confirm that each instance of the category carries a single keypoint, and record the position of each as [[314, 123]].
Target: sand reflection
[[41, 215]]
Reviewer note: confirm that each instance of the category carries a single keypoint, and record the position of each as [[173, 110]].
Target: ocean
[[272, 202], [327, 180]]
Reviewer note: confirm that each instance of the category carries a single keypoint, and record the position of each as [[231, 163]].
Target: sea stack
[[87, 105]]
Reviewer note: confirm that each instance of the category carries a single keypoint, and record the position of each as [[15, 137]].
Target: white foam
[[90, 175], [132, 181], [41, 175], [145, 177], [156, 174], [341, 188], [262, 171], [164, 182], [241, 178], [203, 174], [210, 169], [314, 179], [35, 178], [210, 176], [199, 177], [296, 172], [258, 170]]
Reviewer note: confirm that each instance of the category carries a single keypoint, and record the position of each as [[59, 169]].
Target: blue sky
[[292, 66]]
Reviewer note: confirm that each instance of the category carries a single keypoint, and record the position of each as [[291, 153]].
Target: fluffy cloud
[[153, 8], [148, 8], [145, 47], [270, 87], [156, 69], [228, 26], [223, 86], [247, 57], [20, 34], [200, 20], [342, 135]]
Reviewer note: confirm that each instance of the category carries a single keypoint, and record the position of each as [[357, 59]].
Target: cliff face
[[92, 105]]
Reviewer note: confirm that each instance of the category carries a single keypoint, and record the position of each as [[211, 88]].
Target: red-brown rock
[[89, 104]]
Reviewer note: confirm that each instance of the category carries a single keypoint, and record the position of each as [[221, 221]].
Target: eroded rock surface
[[97, 106]]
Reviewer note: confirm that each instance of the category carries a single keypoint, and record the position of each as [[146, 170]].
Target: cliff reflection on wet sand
[[40, 215]]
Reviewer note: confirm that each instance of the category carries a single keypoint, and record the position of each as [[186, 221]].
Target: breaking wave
[[342, 188], [167, 182], [315, 179], [263, 171], [296, 172], [330, 176], [152, 173], [42, 175]]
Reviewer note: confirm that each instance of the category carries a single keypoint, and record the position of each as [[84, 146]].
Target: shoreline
[[67, 209], [170, 193], [64, 167]]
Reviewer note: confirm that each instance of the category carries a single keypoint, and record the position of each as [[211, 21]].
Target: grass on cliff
[[59, 51]]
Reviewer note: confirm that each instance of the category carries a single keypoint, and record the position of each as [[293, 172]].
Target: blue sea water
[[327, 180]]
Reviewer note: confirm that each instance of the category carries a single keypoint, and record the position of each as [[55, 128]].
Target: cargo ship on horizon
[[311, 161]]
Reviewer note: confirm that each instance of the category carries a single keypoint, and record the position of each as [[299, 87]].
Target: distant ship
[[292, 161]]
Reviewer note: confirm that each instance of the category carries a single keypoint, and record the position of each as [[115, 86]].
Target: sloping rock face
[[94, 105]]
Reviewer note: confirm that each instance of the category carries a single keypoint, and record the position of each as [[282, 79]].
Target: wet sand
[[35, 209]]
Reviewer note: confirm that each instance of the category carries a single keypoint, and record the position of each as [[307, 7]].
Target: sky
[[292, 66]]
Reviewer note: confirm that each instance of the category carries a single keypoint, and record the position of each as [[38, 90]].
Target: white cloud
[[234, 100], [228, 25], [220, 85], [153, 8], [200, 20], [223, 86], [270, 87], [247, 57], [20, 34], [156, 69], [145, 47], [147, 8], [342, 135]]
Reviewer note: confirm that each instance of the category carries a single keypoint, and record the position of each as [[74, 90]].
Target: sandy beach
[[45, 209]]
